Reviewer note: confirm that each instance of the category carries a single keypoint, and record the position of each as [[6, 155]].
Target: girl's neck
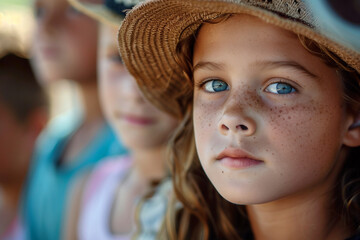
[[92, 121], [150, 164], [91, 102], [297, 218]]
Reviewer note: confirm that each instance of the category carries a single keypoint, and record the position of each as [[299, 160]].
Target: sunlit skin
[[64, 43], [279, 112], [138, 123]]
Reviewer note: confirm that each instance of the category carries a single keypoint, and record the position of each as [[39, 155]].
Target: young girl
[[272, 107], [65, 47], [106, 202]]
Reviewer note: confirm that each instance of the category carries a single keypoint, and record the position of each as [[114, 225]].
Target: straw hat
[[111, 12], [151, 31]]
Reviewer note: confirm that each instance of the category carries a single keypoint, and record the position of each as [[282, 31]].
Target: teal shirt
[[45, 196]]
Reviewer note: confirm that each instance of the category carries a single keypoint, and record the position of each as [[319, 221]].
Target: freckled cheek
[[205, 128], [303, 131], [204, 114]]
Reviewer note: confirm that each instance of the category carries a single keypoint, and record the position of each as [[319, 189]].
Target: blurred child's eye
[[39, 12], [215, 86], [280, 88], [73, 11], [116, 58]]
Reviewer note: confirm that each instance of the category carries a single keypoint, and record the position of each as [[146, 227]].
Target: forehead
[[242, 30], [244, 40]]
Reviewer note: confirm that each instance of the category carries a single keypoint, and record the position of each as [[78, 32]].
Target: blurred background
[[17, 22], [16, 17]]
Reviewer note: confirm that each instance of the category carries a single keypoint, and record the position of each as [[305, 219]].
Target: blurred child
[[106, 202], [65, 47], [23, 114], [270, 147]]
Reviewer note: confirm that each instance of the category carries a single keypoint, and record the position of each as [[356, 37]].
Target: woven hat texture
[[151, 31]]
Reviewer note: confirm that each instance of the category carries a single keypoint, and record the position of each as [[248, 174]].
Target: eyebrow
[[288, 64], [264, 64], [208, 65]]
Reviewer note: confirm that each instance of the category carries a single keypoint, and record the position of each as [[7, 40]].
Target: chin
[[239, 195]]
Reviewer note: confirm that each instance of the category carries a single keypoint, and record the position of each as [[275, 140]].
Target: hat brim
[[149, 35], [98, 11]]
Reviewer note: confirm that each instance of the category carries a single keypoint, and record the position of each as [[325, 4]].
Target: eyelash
[[201, 85], [115, 58], [282, 81], [38, 12]]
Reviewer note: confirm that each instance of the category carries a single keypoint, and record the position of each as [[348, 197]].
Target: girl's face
[[269, 117], [65, 42], [138, 123]]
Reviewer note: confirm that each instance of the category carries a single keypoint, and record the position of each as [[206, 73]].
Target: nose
[[237, 118], [229, 124]]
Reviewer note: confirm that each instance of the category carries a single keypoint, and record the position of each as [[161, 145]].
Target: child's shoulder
[[111, 164], [106, 168], [152, 211]]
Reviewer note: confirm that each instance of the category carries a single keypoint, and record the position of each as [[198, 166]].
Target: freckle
[[289, 117], [280, 111], [222, 171], [279, 115]]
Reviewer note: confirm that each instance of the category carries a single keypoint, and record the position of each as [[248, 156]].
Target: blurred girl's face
[[269, 117], [65, 42], [138, 123]]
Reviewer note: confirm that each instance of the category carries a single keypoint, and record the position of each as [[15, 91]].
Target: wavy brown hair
[[204, 214]]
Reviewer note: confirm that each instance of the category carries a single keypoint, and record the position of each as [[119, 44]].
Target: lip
[[237, 159], [135, 119]]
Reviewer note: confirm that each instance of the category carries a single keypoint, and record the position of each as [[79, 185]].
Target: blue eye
[[71, 11], [216, 86], [280, 88]]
